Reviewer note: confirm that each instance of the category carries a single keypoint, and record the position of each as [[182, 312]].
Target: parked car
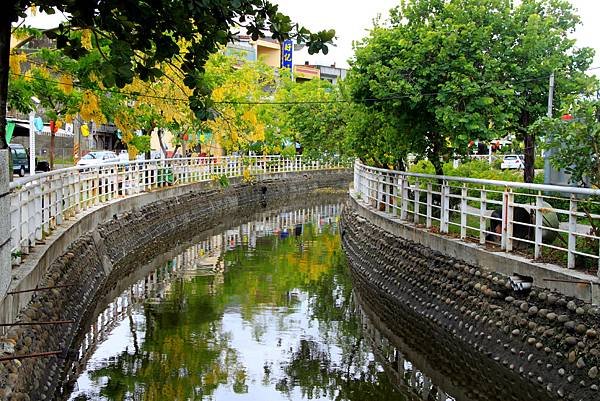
[[98, 157], [20, 159], [512, 162]]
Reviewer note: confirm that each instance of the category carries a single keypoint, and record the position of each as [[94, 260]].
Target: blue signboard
[[286, 54]]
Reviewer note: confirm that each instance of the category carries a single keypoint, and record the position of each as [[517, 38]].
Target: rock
[[593, 372], [548, 333], [572, 341], [561, 372], [571, 306], [563, 318], [591, 333], [572, 357], [580, 363], [532, 311], [570, 325], [580, 329], [551, 316], [580, 311], [516, 332], [524, 307]]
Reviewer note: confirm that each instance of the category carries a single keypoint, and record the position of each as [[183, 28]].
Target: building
[[332, 73], [264, 49], [306, 72]]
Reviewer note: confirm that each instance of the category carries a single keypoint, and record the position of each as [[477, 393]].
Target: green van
[[20, 159]]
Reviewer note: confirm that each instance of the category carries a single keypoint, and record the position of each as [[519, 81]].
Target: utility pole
[[551, 176], [550, 95]]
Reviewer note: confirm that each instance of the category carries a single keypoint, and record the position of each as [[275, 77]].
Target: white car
[[98, 157], [512, 162]]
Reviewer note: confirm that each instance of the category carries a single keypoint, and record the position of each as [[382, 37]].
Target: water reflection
[[263, 311], [404, 374]]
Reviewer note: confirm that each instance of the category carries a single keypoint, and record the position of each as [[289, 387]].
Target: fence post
[[539, 224], [507, 219], [380, 193], [38, 194], [429, 205], [416, 204], [445, 207], [482, 211], [463, 212], [403, 197], [572, 244]]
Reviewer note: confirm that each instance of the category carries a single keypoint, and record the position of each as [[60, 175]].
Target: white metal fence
[[546, 222], [40, 203]]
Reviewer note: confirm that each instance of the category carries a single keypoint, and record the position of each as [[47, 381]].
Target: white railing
[[546, 222], [40, 203]]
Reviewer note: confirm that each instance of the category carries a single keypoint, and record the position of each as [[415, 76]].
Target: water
[[264, 311]]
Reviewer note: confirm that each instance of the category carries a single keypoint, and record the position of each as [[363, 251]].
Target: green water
[[261, 312]]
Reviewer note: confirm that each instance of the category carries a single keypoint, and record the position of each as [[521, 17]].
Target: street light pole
[[31, 143], [36, 103]]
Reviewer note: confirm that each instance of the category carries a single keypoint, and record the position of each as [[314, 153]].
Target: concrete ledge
[[5, 257], [545, 275]]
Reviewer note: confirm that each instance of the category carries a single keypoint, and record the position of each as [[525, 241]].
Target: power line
[[266, 102]]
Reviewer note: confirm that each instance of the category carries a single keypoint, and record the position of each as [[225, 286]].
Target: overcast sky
[[352, 19]]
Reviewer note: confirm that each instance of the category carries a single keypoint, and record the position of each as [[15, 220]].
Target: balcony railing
[[544, 222], [40, 203]]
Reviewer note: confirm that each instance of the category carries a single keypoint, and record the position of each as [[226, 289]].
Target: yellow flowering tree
[[239, 91]]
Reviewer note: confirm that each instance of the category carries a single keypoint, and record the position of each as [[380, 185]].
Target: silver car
[[95, 158]]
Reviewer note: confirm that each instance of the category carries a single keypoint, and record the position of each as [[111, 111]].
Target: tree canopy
[[144, 35], [444, 72], [574, 140]]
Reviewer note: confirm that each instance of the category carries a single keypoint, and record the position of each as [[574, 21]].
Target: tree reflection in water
[[273, 318]]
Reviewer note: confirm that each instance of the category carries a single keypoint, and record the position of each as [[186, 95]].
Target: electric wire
[[266, 102]]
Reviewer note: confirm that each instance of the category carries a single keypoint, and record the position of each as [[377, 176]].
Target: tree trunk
[[4, 66], [529, 170], [161, 143], [438, 166], [529, 151]]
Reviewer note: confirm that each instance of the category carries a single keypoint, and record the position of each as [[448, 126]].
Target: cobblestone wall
[[96, 262], [535, 346]]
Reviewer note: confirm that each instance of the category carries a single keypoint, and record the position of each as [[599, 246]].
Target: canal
[[264, 310]]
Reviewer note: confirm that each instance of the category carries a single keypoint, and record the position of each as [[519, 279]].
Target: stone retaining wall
[[538, 346], [96, 261]]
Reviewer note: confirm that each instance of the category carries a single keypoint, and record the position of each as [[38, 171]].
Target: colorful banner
[[286, 54], [10, 128], [76, 152]]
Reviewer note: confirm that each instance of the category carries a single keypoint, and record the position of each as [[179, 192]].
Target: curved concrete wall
[[537, 346], [92, 254]]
